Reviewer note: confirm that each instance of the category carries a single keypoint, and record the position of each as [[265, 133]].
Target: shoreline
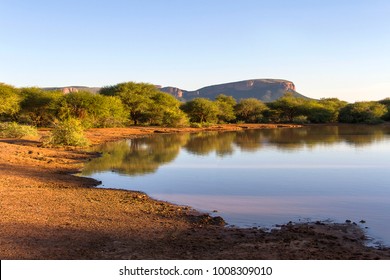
[[95, 223]]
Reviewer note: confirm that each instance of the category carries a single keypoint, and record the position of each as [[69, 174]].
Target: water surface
[[261, 177]]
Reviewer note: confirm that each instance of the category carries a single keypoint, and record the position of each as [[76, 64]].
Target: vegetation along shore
[[48, 213]]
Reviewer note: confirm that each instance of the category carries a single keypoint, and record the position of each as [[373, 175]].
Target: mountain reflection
[[145, 155]]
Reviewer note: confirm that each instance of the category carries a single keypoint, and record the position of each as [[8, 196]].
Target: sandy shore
[[46, 213]]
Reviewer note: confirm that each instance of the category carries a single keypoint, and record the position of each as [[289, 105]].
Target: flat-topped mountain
[[74, 89], [262, 89]]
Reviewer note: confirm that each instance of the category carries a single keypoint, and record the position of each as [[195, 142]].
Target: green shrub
[[300, 119], [68, 133], [15, 130], [174, 118], [200, 125], [201, 110], [195, 125]]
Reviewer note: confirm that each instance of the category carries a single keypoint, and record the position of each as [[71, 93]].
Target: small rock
[[348, 221], [362, 221], [218, 221]]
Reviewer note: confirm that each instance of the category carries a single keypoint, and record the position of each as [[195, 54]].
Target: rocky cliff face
[[176, 92], [69, 90], [262, 89], [66, 90]]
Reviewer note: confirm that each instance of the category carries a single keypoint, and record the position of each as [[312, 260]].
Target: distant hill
[[265, 90]]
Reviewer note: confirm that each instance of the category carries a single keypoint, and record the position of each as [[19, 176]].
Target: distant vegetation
[[132, 103]]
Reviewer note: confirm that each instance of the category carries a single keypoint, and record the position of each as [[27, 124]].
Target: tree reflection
[[137, 156], [250, 140], [291, 139], [145, 155], [207, 142]]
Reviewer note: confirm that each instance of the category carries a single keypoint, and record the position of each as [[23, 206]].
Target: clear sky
[[333, 48]]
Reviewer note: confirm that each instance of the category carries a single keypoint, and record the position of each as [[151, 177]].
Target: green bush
[[68, 133], [201, 110], [38, 107], [195, 125], [250, 110], [369, 112], [93, 110], [201, 125], [174, 118], [300, 119], [10, 101], [14, 130]]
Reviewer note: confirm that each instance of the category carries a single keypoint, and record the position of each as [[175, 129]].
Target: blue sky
[[327, 48]]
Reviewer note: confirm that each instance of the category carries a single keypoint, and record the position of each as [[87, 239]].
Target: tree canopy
[[363, 112], [147, 105], [250, 110], [10, 100], [225, 106], [38, 107], [201, 110], [93, 110]]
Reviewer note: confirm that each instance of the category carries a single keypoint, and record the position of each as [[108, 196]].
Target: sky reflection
[[262, 177]]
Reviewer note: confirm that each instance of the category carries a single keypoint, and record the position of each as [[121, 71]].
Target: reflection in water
[[137, 156], [144, 155], [205, 143], [261, 177], [250, 140]]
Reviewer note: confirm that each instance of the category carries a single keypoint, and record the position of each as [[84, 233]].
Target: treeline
[[143, 104]]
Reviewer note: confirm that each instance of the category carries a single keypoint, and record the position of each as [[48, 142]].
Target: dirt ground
[[47, 213]]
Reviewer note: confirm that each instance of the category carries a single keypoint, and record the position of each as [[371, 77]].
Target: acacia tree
[[201, 110], [225, 106], [111, 112], [76, 105], [363, 112], [10, 101], [165, 110], [135, 96], [329, 110], [292, 109], [146, 104], [38, 106], [289, 107], [250, 110], [93, 110], [386, 102]]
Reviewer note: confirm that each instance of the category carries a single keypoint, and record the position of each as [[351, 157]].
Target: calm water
[[262, 177]]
